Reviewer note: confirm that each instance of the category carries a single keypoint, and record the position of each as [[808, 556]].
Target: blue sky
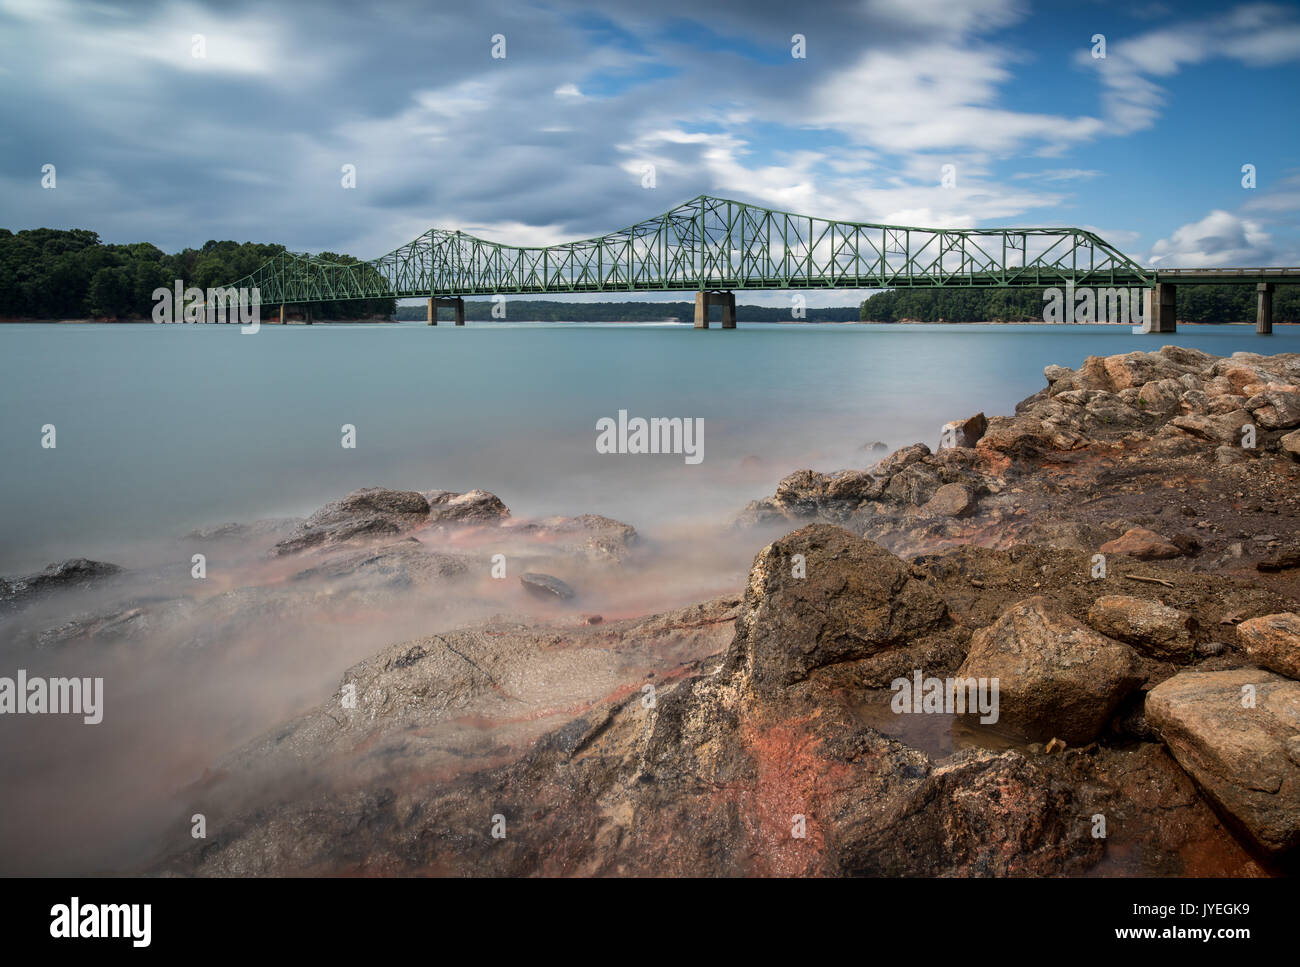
[[549, 143]]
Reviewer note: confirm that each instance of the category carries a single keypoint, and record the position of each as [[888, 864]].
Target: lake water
[[163, 428], [160, 429]]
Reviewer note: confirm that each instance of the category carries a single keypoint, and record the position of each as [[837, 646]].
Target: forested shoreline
[[1195, 303], [48, 273]]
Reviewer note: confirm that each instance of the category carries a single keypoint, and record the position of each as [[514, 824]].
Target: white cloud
[[1254, 35], [1058, 174], [934, 97], [1219, 239], [951, 16], [103, 43]]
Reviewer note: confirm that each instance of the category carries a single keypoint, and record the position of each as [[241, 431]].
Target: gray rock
[[77, 572], [546, 586]]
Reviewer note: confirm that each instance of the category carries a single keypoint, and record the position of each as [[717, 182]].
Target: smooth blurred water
[[164, 428]]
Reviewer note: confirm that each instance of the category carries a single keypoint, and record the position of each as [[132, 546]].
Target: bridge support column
[[452, 302], [1264, 318], [1161, 308], [431, 313], [701, 310], [307, 314], [705, 299], [282, 313]]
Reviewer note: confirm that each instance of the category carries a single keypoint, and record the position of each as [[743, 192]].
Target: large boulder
[[1273, 642], [1149, 626], [1057, 678], [821, 596], [1235, 732]]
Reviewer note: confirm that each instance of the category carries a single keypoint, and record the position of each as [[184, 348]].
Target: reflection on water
[[937, 734]]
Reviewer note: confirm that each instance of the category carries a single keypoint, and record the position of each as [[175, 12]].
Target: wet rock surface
[[72, 574], [546, 586], [1095, 552]]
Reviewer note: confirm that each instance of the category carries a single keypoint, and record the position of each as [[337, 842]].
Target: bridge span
[[718, 247]]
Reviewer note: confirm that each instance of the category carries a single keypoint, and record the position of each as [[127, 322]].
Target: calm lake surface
[[164, 428]]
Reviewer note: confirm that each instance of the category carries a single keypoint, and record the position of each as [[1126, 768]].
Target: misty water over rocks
[[225, 689]]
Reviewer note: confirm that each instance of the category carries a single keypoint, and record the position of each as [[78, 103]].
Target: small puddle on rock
[[937, 734]]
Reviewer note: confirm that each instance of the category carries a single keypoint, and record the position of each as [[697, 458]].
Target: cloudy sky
[[153, 142]]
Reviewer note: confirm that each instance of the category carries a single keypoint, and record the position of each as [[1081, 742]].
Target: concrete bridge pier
[[1264, 317], [1161, 305], [705, 298], [454, 302], [282, 313]]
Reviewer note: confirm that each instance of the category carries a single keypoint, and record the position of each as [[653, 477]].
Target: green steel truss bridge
[[717, 247]]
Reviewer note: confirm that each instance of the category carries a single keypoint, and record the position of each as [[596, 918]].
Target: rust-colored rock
[[1273, 642], [1143, 544]]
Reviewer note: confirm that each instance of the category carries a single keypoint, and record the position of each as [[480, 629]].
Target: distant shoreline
[[640, 322]]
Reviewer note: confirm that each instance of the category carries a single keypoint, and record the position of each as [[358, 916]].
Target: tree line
[[48, 273], [1195, 303]]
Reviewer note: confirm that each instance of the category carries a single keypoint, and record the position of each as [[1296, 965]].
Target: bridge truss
[[711, 243]]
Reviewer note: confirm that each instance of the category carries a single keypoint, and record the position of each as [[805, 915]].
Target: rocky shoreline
[[1121, 555]]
